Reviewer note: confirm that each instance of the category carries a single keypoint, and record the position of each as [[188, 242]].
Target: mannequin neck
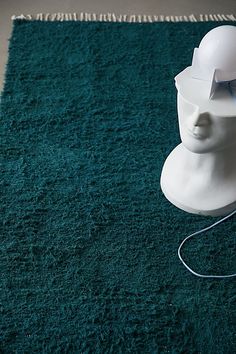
[[210, 167], [200, 183]]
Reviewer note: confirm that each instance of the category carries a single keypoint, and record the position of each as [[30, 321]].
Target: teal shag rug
[[88, 242]]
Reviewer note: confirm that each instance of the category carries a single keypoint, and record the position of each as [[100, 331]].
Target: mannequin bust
[[199, 175]]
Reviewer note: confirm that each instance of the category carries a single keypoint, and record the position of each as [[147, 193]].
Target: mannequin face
[[202, 132]]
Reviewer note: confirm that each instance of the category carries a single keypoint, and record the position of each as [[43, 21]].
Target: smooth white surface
[[216, 52], [199, 175], [192, 189], [214, 60]]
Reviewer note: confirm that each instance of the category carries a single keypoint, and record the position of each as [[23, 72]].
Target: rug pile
[[89, 244]]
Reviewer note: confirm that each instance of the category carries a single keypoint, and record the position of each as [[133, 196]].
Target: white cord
[[199, 232]]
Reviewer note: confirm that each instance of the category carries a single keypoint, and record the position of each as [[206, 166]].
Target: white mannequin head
[[199, 175]]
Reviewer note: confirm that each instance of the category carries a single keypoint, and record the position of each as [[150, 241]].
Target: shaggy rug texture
[[88, 241]]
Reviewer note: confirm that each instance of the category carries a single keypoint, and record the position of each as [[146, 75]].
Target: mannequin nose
[[199, 119]]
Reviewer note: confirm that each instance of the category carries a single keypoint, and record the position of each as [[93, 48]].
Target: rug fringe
[[111, 17]]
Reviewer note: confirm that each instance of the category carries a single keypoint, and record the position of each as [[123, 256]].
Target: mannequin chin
[[199, 175]]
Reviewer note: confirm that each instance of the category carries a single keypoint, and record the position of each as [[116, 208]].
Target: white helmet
[[215, 59]]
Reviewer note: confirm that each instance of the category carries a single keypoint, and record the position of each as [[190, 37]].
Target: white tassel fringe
[[111, 17]]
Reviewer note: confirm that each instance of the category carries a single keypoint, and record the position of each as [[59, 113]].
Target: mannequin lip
[[196, 135]]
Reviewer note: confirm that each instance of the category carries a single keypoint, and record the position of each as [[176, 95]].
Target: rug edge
[[131, 18]]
